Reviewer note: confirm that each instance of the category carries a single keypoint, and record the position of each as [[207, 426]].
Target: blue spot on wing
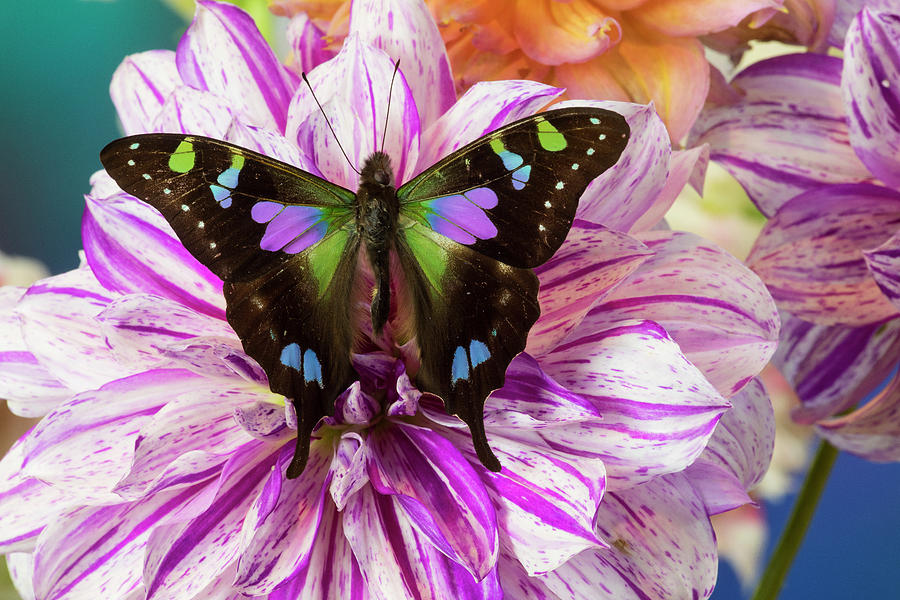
[[312, 368], [520, 177], [479, 352], [460, 367], [221, 195], [290, 356], [229, 177], [511, 160]]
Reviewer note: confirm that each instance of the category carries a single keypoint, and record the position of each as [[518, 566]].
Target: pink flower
[[157, 469]]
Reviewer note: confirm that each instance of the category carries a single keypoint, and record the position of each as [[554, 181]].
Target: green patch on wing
[[431, 255], [325, 255]]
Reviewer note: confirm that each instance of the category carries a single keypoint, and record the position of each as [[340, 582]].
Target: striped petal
[[484, 107], [591, 262], [189, 110], [810, 253], [789, 132], [131, 248], [870, 86], [223, 52], [718, 311], [308, 43], [398, 558], [653, 410], [28, 388], [833, 368], [884, 265], [140, 87], [739, 452], [686, 167], [406, 31], [444, 499]]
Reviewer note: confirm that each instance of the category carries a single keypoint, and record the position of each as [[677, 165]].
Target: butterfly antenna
[[327, 122], [387, 116]]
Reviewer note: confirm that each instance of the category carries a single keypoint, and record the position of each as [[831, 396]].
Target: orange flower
[[633, 50]]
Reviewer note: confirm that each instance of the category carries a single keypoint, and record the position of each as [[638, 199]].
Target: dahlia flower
[[157, 470], [814, 141]]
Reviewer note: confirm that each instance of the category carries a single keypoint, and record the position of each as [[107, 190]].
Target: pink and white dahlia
[[157, 470], [815, 141]]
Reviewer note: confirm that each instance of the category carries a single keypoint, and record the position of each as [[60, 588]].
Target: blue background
[[56, 60]]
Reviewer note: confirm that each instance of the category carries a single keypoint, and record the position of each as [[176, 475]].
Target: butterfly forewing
[[283, 240], [512, 194]]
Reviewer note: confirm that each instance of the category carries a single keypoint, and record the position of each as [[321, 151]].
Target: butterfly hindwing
[[283, 240], [512, 194]]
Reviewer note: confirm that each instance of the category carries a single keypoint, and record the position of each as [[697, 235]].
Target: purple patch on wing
[[483, 196], [309, 237], [464, 214], [263, 212], [288, 225], [448, 229]]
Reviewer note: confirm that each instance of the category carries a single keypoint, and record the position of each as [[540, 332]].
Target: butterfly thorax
[[377, 213]]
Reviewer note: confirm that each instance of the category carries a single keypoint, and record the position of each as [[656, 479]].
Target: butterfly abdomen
[[377, 213]]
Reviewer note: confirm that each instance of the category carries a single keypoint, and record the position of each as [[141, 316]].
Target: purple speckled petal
[[270, 143], [189, 110], [739, 452], [832, 368], [640, 430], [591, 262], [140, 87], [686, 167], [87, 444], [873, 431], [884, 264], [718, 311], [662, 547], [407, 32], [484, 107], [217, 358], [348, 468], [353, 88], [29, 389], [393, 553], [621, 196], [870, 86], [190, 437], [440, 490], [332, 570], [60, 330], [846, 10], [27, 504], [809, 253], [131, 248], [97, 552], [308, 43], [140, 327], [224, 53], [789, 132], [184, 557], [278, 540]]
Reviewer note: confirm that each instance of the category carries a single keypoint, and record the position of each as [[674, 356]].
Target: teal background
[[56, 60]]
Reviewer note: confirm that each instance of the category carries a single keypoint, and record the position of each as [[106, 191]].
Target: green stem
[[795, 530]]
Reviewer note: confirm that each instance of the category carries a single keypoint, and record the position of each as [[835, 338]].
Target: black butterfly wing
[[473, 226], [283, 240]]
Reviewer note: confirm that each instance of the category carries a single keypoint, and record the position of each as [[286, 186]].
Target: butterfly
[[454, 246]]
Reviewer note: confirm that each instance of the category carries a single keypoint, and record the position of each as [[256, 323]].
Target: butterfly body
[[456, 244]]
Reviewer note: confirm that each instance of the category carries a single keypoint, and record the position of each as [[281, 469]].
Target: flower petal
[[833, 368], [308, 43], [885, 268], [686, 166], [873, 431], [788, 134], [184, 557], [810, 253], [718, 311], [394, 554], [870, 86], [555, 33], [662, 547], [189, 110], [279, 539], [224, 53], [60, 329], [681, 18], [131, 248], [591, 262], [140, 87], [28, 388], [406, 31], [21, 571], [659, 425], [439, 490], [484, 107], [739, 452], [623, 194]]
